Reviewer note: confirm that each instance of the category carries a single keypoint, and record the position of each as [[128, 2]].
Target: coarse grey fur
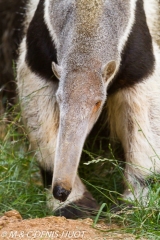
[[152, 9], [89, 37]]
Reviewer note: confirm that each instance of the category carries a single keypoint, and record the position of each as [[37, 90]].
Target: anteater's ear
[[56, 70], [108, 70]]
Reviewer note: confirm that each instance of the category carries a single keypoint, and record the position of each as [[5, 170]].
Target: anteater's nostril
[[60, 193]]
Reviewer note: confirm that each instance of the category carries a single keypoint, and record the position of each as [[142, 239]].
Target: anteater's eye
[[97, 106]]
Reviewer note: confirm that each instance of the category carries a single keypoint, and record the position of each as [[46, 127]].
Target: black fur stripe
[[40, 47], [137, 57]]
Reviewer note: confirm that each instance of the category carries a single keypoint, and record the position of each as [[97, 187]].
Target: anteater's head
[[89, 36]]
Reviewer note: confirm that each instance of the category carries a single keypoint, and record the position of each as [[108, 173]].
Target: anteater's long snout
[[68, 152]]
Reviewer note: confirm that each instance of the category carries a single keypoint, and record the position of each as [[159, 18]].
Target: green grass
[[20, 181], [101, 170]]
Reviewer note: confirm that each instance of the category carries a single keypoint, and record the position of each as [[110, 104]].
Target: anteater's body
[[75, 58]]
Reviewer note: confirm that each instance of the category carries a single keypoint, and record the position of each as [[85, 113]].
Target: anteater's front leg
[[133, 114]]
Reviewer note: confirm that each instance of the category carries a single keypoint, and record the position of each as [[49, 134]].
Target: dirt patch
[[12, 226]]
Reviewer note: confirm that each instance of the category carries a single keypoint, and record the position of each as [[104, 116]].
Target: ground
[[12, 226]]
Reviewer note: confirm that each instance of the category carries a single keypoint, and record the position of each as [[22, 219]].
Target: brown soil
[[12, 226]]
